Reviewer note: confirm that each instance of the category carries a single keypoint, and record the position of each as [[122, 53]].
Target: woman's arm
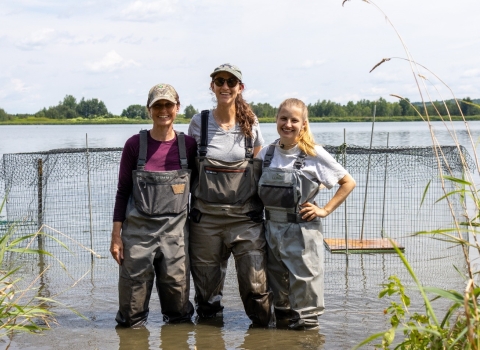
[[256, 150], [310, 211], [116, 244]]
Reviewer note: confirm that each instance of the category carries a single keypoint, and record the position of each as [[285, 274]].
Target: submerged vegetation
[[459, 325]]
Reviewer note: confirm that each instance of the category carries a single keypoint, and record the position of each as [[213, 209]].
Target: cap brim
[[162, 98], [235, 74]]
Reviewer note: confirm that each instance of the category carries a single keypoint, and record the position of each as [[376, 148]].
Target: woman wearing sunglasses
[[227, 215], [150, 229]]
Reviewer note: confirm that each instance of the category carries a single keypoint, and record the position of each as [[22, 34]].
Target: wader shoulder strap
[[182, 149], [248, 147], [269, 155], [300, 160], [142, 153], [203, 133]]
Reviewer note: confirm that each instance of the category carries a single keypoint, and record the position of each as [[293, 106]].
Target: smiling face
[[224, 93], [290, 122], [163, 112]]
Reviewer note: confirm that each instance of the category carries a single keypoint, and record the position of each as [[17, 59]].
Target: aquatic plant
[[459, 328], [22, 309]]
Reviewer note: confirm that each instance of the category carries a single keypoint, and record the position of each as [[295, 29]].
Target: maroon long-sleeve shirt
[[161, 156]]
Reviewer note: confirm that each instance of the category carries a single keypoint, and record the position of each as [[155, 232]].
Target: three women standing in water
[[227, 213]]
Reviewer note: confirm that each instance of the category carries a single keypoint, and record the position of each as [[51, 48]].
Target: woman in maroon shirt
[[150, 215]]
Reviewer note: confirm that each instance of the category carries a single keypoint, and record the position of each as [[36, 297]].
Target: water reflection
[[212, 335], [282, 339], [133, 338]]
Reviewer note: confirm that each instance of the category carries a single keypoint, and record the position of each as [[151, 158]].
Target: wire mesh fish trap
[[73, 192]]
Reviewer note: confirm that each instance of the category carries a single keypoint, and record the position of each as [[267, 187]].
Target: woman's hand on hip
[[310, 211]]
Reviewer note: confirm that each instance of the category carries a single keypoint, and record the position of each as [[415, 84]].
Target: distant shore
[[180, 120]]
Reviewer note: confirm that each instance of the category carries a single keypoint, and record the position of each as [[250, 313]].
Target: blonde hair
[[305, 138]]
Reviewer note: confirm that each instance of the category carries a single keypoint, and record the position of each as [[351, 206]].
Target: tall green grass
[[22, 308], [458, 327]]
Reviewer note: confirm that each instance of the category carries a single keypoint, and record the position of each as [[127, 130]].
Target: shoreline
[[120, 120]]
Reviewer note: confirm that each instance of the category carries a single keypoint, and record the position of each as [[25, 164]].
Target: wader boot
[[227, 217], [155, 240], [295, 246]]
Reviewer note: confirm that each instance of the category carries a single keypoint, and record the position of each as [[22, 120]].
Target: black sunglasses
[[231, 82]]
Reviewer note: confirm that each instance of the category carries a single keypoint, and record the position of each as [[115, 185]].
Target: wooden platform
[[380, 245]]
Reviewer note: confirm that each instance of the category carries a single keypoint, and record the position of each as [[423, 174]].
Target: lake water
[[352, 308], [36, 138]]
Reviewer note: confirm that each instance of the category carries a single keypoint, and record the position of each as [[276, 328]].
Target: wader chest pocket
[[153, 197], [278, 196], [225, 185]]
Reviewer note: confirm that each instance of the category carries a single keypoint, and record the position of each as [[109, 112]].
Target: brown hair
[[244, 115], [305, 138]]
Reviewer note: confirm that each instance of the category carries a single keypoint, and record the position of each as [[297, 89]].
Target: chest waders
[[155, 236], [295, 246], [227, 217]]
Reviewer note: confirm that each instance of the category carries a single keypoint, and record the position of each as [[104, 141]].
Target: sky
[[313, 50]]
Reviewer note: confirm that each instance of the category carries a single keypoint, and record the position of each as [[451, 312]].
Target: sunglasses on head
[[231, 82]]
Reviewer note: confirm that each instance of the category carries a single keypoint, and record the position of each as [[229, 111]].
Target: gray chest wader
[[155, 236], [295, 246], [225, 188], [227, 217]]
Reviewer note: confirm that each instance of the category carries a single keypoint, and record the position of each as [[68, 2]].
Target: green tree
[[383, 108], [405, 107], [70, 102], [263, 110], [190, 111], [91, 108], [135, 111], [3, 115], [466, 106]]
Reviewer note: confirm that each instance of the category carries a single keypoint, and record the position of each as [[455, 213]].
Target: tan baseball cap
[[162, 92], [230, 68]]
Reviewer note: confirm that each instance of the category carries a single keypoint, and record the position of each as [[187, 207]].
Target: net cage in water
[[72, 193]]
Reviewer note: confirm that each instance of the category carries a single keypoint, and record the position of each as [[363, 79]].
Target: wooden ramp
[[355, 246]]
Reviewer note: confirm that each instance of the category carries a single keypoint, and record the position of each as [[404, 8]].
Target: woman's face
[[224, 93], [163, 112], [289, 124]]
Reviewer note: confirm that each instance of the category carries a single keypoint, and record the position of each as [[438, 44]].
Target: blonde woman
[[294, 168]]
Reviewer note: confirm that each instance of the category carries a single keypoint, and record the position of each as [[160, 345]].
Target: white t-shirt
[[225, 145], [322, 167]]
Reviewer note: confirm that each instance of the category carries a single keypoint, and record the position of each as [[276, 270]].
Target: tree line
[[69, 108], [362, 108]]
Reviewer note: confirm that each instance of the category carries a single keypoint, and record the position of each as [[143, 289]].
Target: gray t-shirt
[[225, 145]]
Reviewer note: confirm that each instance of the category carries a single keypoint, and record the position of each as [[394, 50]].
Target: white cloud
[[346, 98], [147, 11], [471, 73], [37, 40], [19, 86], [307, 64], [253, 94], [112, 61]]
